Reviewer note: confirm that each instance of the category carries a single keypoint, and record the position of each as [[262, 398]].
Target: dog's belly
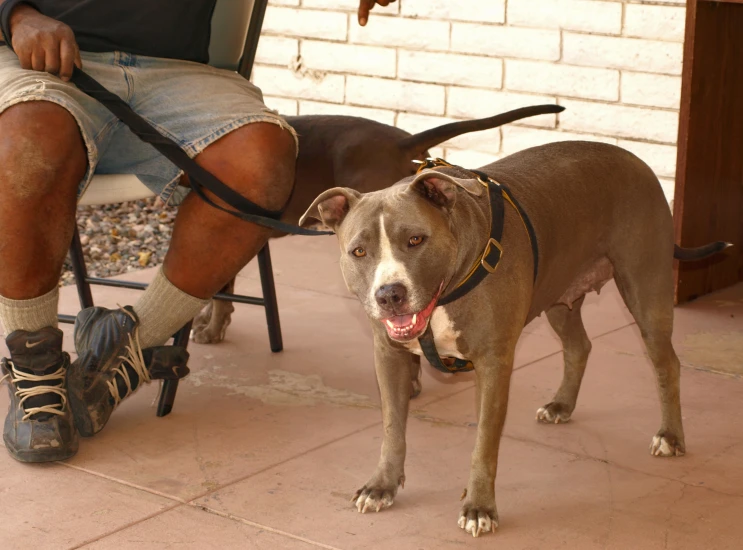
[[444, 336], [588, 280]]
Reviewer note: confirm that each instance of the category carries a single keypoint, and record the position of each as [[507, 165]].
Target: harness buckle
[[483, 260]]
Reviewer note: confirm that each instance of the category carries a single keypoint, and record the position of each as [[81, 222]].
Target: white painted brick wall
[[503, 41], [396, 95], [285, 83], [562, 80], [276, 50], [619, 120], [653, 90], [447, 68], [615, 65], [344, 58], [413, 34], [573, 15], [306, 23], [285, 107], [655, 22], [493, 11], [636, 54]]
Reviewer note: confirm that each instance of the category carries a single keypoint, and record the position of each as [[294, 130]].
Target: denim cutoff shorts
[[192, 103]]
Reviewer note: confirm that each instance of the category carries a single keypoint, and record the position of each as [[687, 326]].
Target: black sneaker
[[111, 365], [39, 425]]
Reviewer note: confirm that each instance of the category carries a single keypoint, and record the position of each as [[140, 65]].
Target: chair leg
[[170, 387], [80, 271], [269, 297]]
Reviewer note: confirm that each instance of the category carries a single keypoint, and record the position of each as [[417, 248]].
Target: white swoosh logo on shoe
[[29, 345]]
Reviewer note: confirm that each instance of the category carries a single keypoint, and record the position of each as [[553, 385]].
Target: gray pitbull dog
[[598, 213], [365, 155]]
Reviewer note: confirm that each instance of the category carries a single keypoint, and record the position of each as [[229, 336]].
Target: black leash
[[199, 178], [486, 264]]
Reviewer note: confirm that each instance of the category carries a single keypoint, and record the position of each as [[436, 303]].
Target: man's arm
[[365, 6], [42, 43]]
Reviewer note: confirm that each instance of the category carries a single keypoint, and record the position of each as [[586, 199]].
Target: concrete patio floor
[[265, 450]]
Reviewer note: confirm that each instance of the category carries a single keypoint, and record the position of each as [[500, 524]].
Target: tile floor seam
[[125, 527], [280, 463], [610, 463], [245, 521], [125, 483]]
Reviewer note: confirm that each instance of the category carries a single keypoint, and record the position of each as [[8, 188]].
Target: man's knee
[[257, 160], [41, 150]]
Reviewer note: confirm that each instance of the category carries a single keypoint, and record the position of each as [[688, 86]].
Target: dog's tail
[[419, 143], [699, 253]]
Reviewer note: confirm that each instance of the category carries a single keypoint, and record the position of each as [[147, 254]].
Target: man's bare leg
[[42, 161], [207, 249]]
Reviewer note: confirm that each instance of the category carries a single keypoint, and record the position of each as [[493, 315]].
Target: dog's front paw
[[553, 413], [373, 496], [477, 520], [666, 444]]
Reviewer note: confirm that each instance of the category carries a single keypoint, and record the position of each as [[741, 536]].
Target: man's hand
[[42, 43], [365, 7]]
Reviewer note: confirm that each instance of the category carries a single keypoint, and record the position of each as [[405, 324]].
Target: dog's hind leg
[[568, 325], [646, 285], [211, 323]]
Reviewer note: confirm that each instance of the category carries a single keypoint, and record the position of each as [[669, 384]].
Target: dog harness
[[486, 263]]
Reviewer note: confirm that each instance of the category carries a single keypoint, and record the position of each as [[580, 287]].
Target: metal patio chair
[[236, 27]]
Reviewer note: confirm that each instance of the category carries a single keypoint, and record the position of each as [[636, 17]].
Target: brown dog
[[597, 212], [363, 154]]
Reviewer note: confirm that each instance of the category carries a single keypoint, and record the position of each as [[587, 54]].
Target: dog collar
[[486, 263]]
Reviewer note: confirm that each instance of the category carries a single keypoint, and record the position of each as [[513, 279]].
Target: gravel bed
[[123, 237]]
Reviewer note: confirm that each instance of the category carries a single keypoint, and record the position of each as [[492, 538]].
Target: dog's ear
[[441, 189], [329, 209]]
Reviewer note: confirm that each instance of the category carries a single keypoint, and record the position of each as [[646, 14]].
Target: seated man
[[53, 138]]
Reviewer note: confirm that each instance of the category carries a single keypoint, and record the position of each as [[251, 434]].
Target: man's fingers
[[68, 56], [365, 7], [51, 56], [24, 56], [38, 59]]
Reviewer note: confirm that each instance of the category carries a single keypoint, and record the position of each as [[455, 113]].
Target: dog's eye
[[359, 252], [415, 241]]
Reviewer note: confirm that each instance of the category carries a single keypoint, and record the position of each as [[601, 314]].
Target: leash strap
[[199, 177]]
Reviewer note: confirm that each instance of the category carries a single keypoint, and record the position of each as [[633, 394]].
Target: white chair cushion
[[110, 189]]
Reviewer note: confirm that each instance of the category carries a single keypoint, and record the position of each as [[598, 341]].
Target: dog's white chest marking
[[444, 336], [389, 270]]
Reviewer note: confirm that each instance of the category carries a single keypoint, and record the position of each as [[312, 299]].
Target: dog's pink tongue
[[402, 320]]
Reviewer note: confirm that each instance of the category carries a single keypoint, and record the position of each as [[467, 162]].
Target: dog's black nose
[[391, 296]]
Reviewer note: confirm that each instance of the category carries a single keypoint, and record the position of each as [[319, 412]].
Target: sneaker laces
[[15, 376], [134, 360]]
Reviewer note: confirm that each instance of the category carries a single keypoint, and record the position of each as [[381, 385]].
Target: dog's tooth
[[415, 317], [389, 324]]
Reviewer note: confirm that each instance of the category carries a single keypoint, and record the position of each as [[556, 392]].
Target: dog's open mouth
[[409, 327]]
